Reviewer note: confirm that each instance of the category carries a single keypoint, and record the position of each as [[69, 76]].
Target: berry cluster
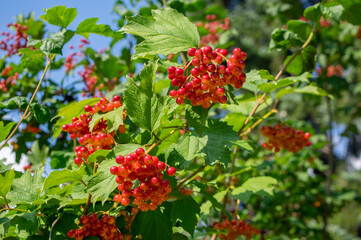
[[285, 137], [9, 80], [214, 27], [235, 229], [208, 76], [13, 42], [98, 138], [152, 191], [104, 228]]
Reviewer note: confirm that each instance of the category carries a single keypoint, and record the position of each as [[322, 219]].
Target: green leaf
[[213, 145], [187, 218], [244, 145], [101, 185], [69, 111], [55, 43], [27, 188], [15, 103], [255, 78], [196, 117], [60, 159], [59, 16], [123, 149], [310, 89], [90, 26], [6, 181], [153, 225], [41, 112], [301, 28], [4, 131], [351, 13], [32, 59], [284, 39], [115, 119], [302, 62], [313, 13], [169, 32], [63, 176], [144, 108], [271, 86], [38, 156], [262, 186]]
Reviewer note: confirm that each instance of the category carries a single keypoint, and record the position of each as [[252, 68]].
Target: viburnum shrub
[[172, 147], [204, 83], [285, 137]]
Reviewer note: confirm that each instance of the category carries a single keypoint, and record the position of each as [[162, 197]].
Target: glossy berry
[[171, 171]]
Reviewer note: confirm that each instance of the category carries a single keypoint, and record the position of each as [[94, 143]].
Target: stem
[[24, 116], [16, 209], [257, 122], [260, 101], [191, 176], [6, 202], [52, 226], [160, 140]]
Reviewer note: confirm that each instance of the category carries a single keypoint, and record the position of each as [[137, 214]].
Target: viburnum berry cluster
[[208, 76], [152, 191], [8, 80], [214, 27], [104, 228], [285, 137], [98, 138], [235, 229], [13, 42]]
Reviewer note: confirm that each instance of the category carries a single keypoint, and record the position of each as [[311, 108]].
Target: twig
[[161, 140], [181, 182], [24, 116], [52, 226]]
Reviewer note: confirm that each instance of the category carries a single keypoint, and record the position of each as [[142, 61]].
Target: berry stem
[[25, 115], [223, 56], [282, 70]]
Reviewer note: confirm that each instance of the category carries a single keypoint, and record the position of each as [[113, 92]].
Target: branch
[[191, 176], [161, 140], [25, 115]]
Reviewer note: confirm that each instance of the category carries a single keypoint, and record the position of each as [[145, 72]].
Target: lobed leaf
[[59, 16], [169, 32], [262, 186]]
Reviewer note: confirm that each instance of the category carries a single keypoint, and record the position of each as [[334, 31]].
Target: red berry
[[191, 52], [140, 152], [114, 170], [116, 98], [171, 171], [88, 108]]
